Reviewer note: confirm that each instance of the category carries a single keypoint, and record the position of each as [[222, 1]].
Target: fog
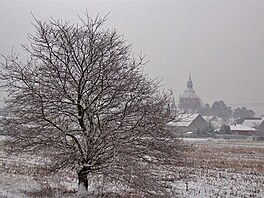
[[220, 42]]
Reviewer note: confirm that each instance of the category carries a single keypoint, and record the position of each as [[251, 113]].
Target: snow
[[220, 183], [222, 168], [184, 120], [240, 127], [252, 123], [82, 190], [189, 132], [14, 185], [209, 118], [2, 138], [198, 139]]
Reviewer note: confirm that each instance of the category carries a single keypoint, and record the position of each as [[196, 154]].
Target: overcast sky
[[220, 42]]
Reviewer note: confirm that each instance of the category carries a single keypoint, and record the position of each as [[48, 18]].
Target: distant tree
[[210, 129], [220, 109], [206, 131], [225, 129], [206, 110], [243, 113], [82, 101]]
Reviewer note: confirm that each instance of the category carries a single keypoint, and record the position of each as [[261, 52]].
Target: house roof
[[209, 118], [240, 127], [184, 120], [241, 120], [252, 123], [189, 92]]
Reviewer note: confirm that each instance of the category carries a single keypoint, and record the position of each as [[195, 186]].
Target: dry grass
[[236, 155], [224, 168], [215, 163]]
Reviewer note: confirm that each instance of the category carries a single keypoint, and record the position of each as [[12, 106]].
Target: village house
[[187, 123], [239, 129], [256, 123]]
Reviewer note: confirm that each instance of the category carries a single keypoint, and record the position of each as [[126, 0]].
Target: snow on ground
[[2, 138], [220, 168], [224, 168], [14, 185], [220, 183]]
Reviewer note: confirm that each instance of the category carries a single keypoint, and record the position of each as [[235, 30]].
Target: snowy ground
[[220, 168], [224, 168]]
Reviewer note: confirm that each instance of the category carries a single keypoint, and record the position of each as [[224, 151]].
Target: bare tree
[[82, 100]]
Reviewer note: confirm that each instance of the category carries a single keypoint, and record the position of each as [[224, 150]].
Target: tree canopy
[[243, 113], [220, 109], [82, 101]]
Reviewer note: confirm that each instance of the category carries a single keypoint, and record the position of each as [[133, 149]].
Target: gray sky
[[220, 42]]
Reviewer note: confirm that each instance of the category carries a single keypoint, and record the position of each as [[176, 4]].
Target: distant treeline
[[220, 109]]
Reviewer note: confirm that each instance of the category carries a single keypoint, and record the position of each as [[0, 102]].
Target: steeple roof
[[189, 92], [189, 83], [189, 101]]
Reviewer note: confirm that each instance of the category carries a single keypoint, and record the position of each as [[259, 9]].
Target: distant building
[[188, 123], [248, 120], [254, 123], [189, 102], [261, 126], [239, 129]]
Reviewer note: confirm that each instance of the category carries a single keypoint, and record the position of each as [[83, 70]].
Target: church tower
[[189, 102]]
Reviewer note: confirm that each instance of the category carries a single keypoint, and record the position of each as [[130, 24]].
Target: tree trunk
[[83, 180]]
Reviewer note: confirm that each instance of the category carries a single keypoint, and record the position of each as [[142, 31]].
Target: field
[[219, 168], [225, 168]]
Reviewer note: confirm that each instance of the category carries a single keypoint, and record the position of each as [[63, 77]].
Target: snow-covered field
[[224, 168], [219, 168]]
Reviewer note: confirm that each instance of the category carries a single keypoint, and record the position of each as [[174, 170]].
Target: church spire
[[189, 83], [189, 101]]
